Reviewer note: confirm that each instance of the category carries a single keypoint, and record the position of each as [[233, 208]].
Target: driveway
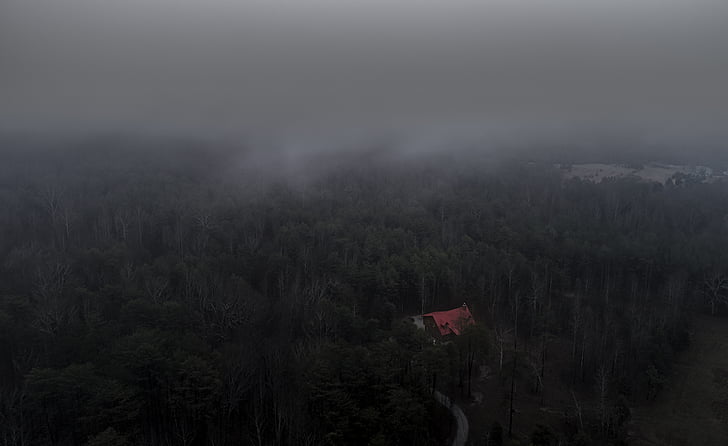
[[461, 435]]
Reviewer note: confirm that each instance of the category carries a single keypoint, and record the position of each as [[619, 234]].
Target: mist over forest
[[368, 223], [157, 292]]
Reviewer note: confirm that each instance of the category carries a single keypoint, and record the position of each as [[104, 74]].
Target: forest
[[178, 294]]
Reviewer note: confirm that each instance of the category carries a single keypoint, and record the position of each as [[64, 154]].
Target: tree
[[602, 386], [108, 437], [495, 436], [716, 285], [473, 344], [655, 381], [515, 304], [543, 436]]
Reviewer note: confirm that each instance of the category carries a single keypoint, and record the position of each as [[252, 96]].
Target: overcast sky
[[275, 65]]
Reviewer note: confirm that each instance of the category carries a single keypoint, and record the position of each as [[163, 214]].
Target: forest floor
[[693, 407], [490, 397]]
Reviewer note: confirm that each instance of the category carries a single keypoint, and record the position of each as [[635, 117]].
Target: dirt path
[[693, 407], [461, 435]]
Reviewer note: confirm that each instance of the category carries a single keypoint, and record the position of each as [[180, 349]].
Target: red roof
[[452, 321]]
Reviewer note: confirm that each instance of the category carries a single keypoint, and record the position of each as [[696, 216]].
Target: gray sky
[[276, 65]]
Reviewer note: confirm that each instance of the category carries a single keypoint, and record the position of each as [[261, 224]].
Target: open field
[[693, 408], [658, 173]]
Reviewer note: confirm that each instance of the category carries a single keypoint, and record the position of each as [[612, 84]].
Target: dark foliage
[[170, 298]]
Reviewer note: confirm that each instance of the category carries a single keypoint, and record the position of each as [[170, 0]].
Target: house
[[446, 323]]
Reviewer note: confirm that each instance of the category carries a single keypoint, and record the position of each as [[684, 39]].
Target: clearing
[[693, 407]]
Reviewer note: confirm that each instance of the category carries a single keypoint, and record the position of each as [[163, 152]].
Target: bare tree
[[716, 285], [501, 337], [50, 283], [122, 222], [576, 326], [515, 307], [51, 197], [602, 384], [12, 423], [577, 406], [156, 288]]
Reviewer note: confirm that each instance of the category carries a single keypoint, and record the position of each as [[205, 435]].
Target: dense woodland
[[188, 296]]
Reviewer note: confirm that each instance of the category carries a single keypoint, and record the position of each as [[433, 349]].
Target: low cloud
[[226, 68]]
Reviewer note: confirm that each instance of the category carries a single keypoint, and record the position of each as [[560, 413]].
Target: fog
[[330, 222], [319, 69]]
